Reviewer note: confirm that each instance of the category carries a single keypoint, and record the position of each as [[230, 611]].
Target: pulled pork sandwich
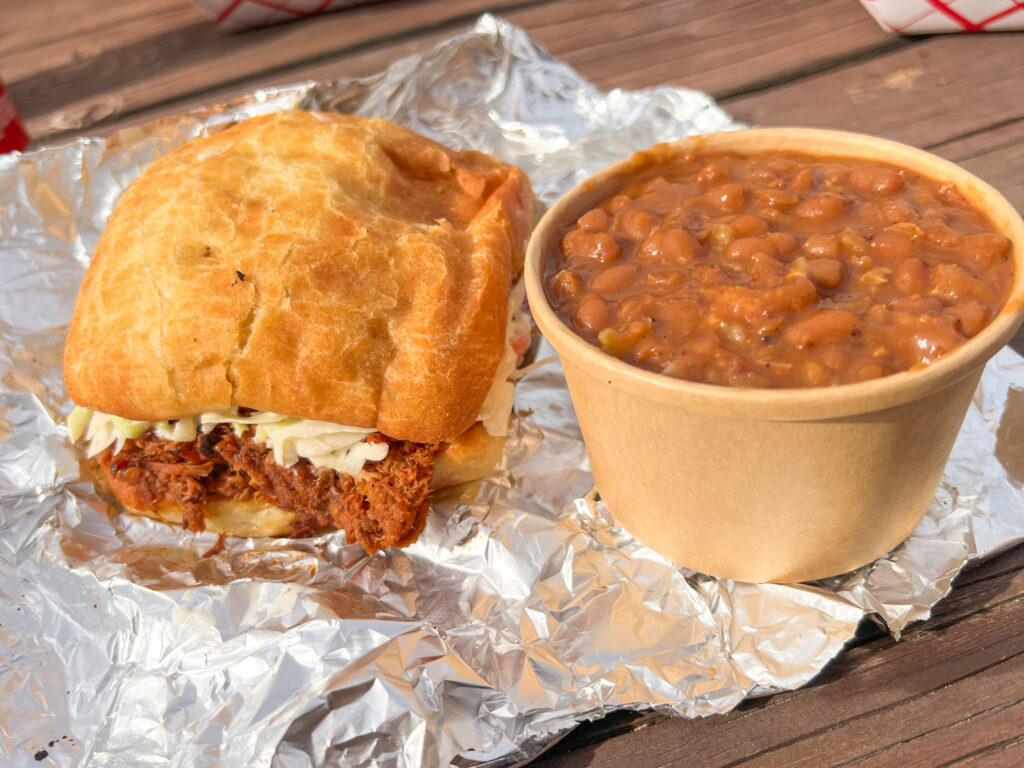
[[304, 321]]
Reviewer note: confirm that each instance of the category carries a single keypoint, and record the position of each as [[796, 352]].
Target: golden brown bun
[[469, 457], [316, 265]]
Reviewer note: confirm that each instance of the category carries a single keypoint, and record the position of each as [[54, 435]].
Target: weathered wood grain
[[722, 47], [188, 61], [361, 64], [1007, 754], [927, 94], [40, 36]]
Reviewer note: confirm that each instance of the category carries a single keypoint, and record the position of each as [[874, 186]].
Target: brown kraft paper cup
[[760, 484]]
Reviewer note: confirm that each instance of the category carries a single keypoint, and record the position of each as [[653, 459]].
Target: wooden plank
[[1003, 167], [191, 59], [362, 64], [973, 633], [37, 36], [724, 47], [989, 568], [956, 741], [927, 94], [1010, 753], [917, 730], [721, 47]]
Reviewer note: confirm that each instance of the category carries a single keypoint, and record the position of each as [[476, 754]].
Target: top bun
[[316, 265]]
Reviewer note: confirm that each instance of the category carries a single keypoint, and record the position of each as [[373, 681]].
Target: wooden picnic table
[[951, 691]]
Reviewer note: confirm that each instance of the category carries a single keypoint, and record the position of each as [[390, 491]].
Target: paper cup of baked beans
[[771, 338]]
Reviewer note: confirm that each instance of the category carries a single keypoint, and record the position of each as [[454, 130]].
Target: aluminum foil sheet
[[520, 611]]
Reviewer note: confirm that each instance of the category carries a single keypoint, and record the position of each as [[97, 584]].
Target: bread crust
[[316, 265], [469, 457]]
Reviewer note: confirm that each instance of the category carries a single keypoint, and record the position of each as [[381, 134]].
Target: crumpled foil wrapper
[[520, 611]]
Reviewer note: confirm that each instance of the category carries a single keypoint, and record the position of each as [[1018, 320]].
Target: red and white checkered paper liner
[[245, 14], [925, 17], [908, 17]]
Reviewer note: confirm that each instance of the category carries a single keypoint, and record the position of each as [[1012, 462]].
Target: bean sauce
[[779, 270]]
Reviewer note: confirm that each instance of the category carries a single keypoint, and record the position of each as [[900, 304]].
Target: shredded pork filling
[[384, 505]]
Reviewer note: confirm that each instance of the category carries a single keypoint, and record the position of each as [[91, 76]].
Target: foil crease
[[521, 610]]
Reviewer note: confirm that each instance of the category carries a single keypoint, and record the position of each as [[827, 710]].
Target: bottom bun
[[469, 457]]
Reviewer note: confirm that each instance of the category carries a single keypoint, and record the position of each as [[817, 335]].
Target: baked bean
[[951, 194], [793, 295], [783, 165], [821, 325], [619, 203], [907, 229], [915, 304], [711, 173], [868, 371], [727, 198], [971, 317], [987, 248], [779, 271], [566, 283], [764, 177], [832, 358], [893, 247], [822, 207], [594, 220], [746, 226], [826, 273], [720, 234], [614, 278], [766, 270], [930, 340], [894, 211], [876, 179], [951, 281], [911, 276], [597, 246], [667, 246], [802, 181], [664, 279], [636, 308], [592, 313], [824, 246], [745, 247], [784, 242], [835, 175], [815, 374], [773, 215], [636, 223], [942, 235], [776, 198]]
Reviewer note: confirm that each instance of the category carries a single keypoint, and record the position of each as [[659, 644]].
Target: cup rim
[[797, 404]]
